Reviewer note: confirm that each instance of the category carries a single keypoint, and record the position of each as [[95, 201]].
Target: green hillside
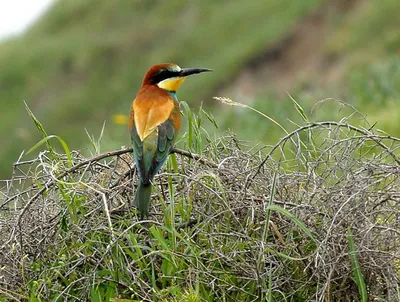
[[282, 186], [83, 62], [358, 62]]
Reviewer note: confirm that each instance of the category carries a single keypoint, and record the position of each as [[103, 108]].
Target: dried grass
[[227, 230]]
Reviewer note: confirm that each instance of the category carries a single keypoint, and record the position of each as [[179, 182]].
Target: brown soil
[[298, 59]]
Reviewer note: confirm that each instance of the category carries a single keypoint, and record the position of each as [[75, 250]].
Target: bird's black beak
[[188, 71]]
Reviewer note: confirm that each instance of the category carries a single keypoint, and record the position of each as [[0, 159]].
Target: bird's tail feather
[[143, 198]]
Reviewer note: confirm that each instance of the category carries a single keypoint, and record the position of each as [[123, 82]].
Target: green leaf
[[299, 109], [358, 276], [110, 292], [297, 221], [41, 142], [210, 117], [158, 235], [39, 126], [62, 142], [35, 120], [95, 294], [174, 162], [64, 224]]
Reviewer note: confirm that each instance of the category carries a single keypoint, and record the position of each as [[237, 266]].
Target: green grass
[[82, 62], [210, 237], [373, 89], [370, 34], [367, 43]]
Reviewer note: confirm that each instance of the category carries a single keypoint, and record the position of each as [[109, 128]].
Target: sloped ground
[[78, 66], [313, 218], [299, 58]]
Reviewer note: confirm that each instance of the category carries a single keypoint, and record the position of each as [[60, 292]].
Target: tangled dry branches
[[332, 178]]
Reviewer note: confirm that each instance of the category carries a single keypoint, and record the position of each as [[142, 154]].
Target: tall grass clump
[[314, 217]]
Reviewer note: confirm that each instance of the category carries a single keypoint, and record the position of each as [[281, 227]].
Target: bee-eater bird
[[154, 122]]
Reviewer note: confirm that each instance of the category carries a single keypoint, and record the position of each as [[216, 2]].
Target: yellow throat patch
[[171, 84]]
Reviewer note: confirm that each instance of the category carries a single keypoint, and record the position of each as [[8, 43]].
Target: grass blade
[[297, 221], [358, 276]]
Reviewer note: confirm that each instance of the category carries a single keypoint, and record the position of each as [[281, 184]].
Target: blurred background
[[80, 63]]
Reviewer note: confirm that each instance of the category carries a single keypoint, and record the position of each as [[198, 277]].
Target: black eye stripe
[[162, 75]]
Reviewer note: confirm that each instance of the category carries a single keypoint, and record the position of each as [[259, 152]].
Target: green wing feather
[[150, 155]]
